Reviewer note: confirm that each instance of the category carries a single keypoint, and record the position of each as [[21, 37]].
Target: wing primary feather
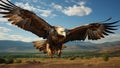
[[112, 23], [11, 3], [7, 16], [20, 23], [9, 19], [110, 28], [6, 3], [89, 35], [107, 19], [4, 12], [108, 31], [100, 33], [105, 33], [102, 36], [92, 35], [83, 35], [5, 8], [97, 35]]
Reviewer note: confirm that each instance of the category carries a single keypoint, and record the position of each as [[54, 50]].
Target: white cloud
[[4, 29], [72, 1], [22, 38], [4, 35], [57, 7], [3, 20], [81, 3], [43, 12], [35, 1], [79, 9], [47, 13]]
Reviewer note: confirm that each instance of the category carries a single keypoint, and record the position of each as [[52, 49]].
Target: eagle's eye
[[62, 31]]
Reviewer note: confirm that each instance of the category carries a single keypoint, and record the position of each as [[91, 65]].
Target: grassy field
[[68, 60], [113, 62]]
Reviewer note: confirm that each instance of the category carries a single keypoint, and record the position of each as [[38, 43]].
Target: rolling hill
[[15, 46], [18, 46]]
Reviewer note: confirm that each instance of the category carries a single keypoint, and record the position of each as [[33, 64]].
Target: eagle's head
[[60, 31]]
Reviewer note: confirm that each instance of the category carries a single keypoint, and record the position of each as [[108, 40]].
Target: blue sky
[[66, 13]]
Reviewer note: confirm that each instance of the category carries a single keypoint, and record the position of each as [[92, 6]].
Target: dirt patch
[[56, 66], [114, 62]]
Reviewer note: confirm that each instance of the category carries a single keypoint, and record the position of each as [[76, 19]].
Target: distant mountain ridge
[[15, 46], [19, 46], [92, 46]]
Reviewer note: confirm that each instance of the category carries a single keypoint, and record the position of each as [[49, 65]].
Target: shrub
[[2, 60], [72, 58], [87, 57], [9, 60], [31, 61], [18, 61], [105, 57], [82, 57]]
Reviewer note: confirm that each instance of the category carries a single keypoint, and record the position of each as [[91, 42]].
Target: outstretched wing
[[24, 19], [93, 31]]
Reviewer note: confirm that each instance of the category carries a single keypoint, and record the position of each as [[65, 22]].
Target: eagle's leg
[[59, 50], [59, 53], [49, 51]]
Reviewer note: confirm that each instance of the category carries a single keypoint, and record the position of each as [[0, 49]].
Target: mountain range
[[19, 46]]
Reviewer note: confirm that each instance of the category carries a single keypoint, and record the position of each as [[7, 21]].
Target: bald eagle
[[55, 36]]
